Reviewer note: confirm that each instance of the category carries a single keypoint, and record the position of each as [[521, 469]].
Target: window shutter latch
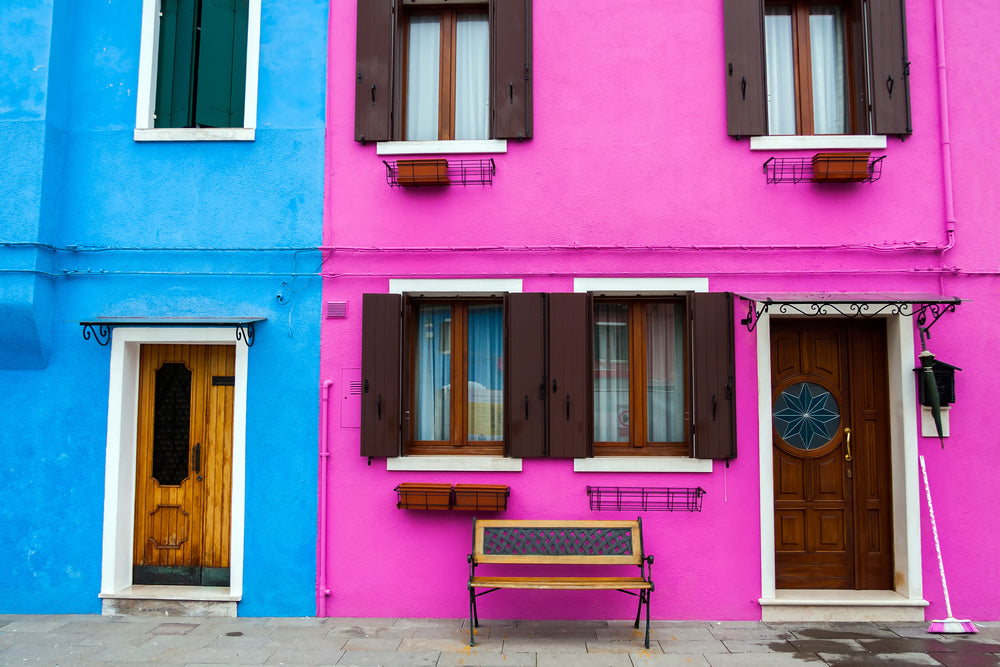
[[888, 85]]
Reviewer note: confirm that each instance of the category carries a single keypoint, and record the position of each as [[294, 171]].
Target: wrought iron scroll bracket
[[852, 309], [99, 332], [245, 333], [935, 310]]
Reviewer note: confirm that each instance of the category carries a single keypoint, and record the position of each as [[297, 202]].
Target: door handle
[[196, 456], [847, 433]]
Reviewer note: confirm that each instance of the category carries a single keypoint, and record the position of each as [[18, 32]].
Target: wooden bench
[[559, 543]]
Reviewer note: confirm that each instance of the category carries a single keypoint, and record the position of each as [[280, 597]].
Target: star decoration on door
[[806, 416]]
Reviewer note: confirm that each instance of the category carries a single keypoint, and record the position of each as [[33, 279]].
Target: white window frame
[[651, 287], [119, 471], [146, 92], [459, 287]]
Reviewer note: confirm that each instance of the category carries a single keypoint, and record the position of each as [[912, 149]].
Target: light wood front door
[[184, 465], [832, 476]]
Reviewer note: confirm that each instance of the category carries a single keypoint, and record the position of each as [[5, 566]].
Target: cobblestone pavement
[[141, 640]]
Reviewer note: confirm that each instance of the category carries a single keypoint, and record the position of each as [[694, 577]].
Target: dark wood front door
[[184, 465], [832, 475]]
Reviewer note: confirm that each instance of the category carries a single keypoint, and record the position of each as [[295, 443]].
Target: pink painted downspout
[[323, 591], [949, 191]]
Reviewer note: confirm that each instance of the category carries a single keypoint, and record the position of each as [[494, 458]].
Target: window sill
[[194, 134], [819, 142], [642, 464], [454, 463], [440, 147]]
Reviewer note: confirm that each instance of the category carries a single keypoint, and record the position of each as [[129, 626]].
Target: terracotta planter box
[[840, 167], [481, 497], [422, 172], [420, 496]]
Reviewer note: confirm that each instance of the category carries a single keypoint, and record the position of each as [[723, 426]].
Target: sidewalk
[[138, 640]]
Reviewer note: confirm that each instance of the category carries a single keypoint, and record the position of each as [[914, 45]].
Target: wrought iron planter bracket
[[100, 330], [925, 311]]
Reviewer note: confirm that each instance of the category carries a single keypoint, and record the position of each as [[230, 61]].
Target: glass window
[[640, 403], [805, 58], [447, 76], [457, 384]]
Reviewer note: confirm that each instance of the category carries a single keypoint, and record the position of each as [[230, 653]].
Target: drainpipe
[[949, 191], [324, 455]]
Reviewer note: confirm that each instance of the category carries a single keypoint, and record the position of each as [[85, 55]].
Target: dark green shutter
[[713, 375], [510, 64], [744, 68], [889, 67], [175, 64], [381, 345], [374, 84], [222, 63]]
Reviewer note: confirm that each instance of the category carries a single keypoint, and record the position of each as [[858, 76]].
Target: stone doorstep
[[808, 606]]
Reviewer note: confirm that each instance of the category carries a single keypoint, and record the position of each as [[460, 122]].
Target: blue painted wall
[[77, 191]]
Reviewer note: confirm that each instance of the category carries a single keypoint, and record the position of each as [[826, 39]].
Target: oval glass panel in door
[[806, 415]]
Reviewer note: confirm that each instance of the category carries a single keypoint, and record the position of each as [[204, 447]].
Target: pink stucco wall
[[630, 174]]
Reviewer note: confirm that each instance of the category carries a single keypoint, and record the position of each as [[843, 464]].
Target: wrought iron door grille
[[555, 541], [646, 499]]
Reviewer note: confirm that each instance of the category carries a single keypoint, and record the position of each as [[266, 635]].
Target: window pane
[[611, 372], [485, 347], [826, 49], [433, 381], [780, 70], [472, 73], [665, 372], [423, 61]]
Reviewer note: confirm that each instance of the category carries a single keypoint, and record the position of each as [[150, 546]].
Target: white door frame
[[119, 471], [905, 484]]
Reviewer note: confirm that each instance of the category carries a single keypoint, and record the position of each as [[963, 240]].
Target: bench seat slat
[[562, 583]]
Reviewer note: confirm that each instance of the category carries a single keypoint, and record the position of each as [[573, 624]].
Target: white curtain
[[664, 372], [826, 49], [780, 70], [611, 372], [472, 74], [485, 367], [422, 77], [433, 385]]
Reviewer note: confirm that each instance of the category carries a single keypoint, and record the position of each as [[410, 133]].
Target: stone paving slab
[[967, 659], [761, 659], [125, 640], [688, 646], [583, 660], [668, 660], [478, 658], [892, 660], [388, 658]]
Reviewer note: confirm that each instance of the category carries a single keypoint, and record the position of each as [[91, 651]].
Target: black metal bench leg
[[473, 619], [638, 612], [648, 592]]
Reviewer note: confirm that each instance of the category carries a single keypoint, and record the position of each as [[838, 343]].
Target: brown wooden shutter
[[569, 385], [380, 374], [889, 67], [744, 68], [510, 55], [373, 92], [524, 356], [713, 375], [859, 64]]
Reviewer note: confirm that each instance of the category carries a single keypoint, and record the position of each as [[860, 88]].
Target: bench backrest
[[549, 541]]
